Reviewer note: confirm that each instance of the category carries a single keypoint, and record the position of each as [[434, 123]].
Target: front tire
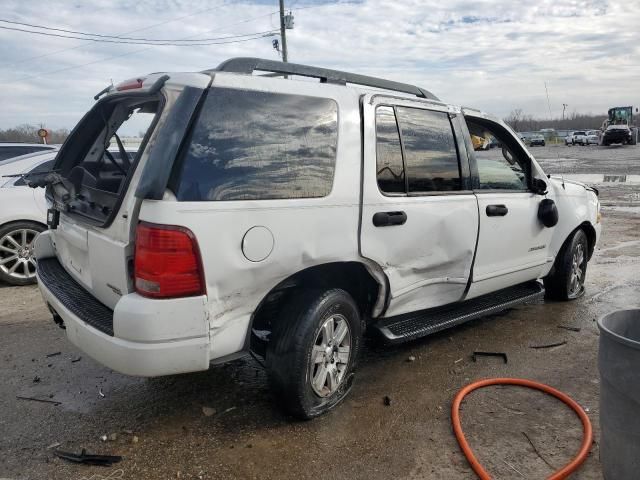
[[312, 354], [17, 262], [566, 279]]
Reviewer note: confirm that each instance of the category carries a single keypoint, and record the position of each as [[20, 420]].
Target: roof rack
[[249, 64]]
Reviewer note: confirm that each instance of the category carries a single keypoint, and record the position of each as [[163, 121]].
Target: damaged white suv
[[284, 218]]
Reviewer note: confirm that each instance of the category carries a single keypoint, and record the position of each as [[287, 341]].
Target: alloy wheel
[[578, 268], [330, 356], [16, 254]]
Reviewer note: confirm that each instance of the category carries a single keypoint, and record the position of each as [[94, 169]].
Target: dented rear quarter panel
[[306, 232]]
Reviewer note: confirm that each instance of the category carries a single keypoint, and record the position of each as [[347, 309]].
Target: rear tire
[[17, 263], [312, 354], [566, 279]]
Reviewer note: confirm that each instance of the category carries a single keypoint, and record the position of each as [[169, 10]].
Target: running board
[[413, 325]]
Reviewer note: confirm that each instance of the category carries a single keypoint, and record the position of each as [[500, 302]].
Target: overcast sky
[[492, 54]]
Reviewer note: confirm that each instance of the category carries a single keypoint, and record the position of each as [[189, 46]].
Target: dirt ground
[[160, 428]]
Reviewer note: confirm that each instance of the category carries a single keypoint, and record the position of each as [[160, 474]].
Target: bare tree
[[522, 122], [29, 134], [515, 119]]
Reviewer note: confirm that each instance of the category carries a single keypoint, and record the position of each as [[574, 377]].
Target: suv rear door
[[419, 216], [94, 238]]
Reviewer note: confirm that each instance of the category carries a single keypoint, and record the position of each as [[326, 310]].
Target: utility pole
[[564, 105], [283, 34]]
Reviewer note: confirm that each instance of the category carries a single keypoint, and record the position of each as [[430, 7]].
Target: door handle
[[497, 210], [388, 219]]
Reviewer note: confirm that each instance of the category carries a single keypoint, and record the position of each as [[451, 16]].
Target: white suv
[[284, 218]]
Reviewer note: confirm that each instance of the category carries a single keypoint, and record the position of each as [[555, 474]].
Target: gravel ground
[[161, 429]]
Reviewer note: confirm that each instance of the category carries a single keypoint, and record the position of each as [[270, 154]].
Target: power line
[[207, 41], [171, 20], [71, 67], [117, 56], [118, 37]]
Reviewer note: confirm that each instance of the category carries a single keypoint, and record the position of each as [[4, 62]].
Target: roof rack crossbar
[[249, 65]]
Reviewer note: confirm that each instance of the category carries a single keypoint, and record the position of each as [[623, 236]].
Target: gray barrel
[[619, 364]]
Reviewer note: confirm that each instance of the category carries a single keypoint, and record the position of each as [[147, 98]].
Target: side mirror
[[539, 186], [548, 213]]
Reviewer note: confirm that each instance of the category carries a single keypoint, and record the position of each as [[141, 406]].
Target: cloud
[[492, 54]]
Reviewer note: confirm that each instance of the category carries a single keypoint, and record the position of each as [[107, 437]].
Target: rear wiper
[[62, 188], [28, 175]]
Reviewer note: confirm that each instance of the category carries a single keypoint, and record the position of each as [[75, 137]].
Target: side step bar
[[425, 322]]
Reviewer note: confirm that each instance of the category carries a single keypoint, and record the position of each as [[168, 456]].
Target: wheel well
[[43, 225], [591, 237], [352, 277]]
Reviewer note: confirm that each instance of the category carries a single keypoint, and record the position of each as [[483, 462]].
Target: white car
[[592, 138], [579, 137], [22, 216], [285, 218]]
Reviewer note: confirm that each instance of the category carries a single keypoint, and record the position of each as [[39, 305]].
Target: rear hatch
[[115, 157]]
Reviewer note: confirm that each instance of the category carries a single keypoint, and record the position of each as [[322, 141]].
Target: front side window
[[249, 145], [500, 166], [431, 156], [389, 164]]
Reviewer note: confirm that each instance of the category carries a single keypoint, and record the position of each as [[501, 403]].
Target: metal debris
[[54, 354], [549, 345], [43, 400], [571, 329], [537, 452], [88, 458], [489, 354]]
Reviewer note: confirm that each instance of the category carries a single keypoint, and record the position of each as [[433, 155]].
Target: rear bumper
[[149, 338]]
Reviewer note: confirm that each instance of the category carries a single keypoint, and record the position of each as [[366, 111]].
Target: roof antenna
[[551, 118]]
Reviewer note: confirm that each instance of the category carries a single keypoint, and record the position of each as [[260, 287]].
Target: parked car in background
[[233, 233], [537, 140], [579, 137], [23, 213], [11, 150], [568, 140], [593, 137], [617, 134]]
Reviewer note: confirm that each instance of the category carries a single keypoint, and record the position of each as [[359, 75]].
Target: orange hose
[[565, 471]]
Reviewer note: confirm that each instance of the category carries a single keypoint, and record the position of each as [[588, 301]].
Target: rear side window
[[431, 156], [249, 145], [389, 164]]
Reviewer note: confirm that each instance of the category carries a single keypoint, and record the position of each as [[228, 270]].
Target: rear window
[[15, 151], [95, 160], [249, 145]]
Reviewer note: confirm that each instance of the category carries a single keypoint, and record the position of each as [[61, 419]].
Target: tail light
[[130, 84], [167, 262]]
